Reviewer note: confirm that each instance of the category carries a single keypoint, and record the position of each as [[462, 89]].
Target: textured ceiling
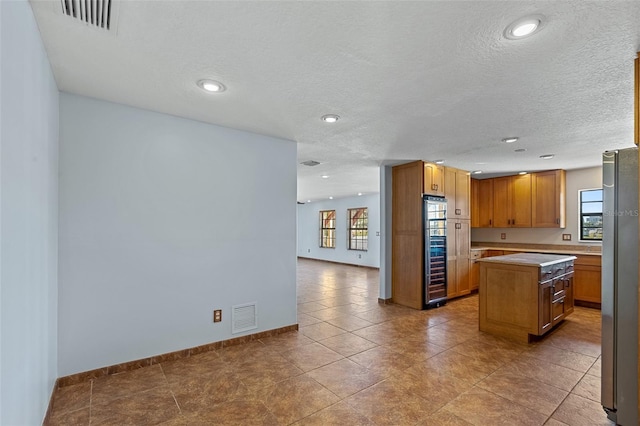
[[410, 80]]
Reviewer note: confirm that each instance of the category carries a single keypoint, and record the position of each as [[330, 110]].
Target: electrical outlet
[[503, 236], [566, 237], [308, 250], [359, 256], [217, 315]]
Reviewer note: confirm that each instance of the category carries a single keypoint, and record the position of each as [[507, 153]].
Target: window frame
[[581, 215], [330, 230], [351, 228]]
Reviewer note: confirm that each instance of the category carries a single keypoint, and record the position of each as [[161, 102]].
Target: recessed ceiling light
[[476, 172], [547, 156], [325, 176], [330, 118], [331, 198], [359, 194], [510, 140], [524, 27], [520, 150], [439, 161], [308, 201], [211, 86], [522, 173]]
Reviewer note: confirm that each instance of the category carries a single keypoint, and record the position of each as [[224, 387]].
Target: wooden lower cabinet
[[587, 283], [458, 257]]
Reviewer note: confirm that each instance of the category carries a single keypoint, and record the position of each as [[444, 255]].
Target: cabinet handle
[[513, 221], [508, 221], [458, 211], [557, 221], [489, 221]]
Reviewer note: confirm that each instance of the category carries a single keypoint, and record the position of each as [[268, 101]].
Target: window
[[328, 228], [590, 215], [358, 229]]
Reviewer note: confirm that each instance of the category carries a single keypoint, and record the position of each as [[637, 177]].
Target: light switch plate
[[503, 236]]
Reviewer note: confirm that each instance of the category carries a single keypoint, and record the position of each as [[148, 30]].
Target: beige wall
[[576, 179]]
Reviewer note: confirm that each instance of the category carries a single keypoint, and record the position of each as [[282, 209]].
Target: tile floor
[[355, 362]]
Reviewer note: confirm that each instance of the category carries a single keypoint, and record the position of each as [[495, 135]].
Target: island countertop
[[528, 259]]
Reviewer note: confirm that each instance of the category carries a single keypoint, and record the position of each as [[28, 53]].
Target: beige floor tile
[[589, 387], [119, 385], [296, 398], [480, 407], [312, 356], [345, 377], [444, 418], [524, 391], [321, 331], [545, 372], [388, 403], [149, 407], [76, 418], [596, 368], [230, 413], [347, 344], [383, 360], [286, 341], [349, 322], [337, 414], [579, 411], [550, 353], [72, 398]]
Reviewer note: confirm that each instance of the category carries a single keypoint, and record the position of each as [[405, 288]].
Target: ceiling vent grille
[[95, 13], [244, 317]]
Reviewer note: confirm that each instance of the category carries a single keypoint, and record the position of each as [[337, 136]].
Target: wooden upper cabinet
[[433, 179], [482, 203], [512, 202], [548, 199], [457, 191], [501, 208]]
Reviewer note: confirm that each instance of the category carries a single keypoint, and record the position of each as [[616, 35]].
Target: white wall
[[28, 219], [576, 179], [309, 230], [163, 220]]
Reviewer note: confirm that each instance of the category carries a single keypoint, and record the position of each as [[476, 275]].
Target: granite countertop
[[528, 259], [582, 252]]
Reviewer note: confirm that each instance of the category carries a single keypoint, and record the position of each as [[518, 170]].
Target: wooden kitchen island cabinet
[[525, 294]]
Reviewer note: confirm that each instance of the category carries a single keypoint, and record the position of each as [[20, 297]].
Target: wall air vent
[[244, 317], [100, 14], [310, 163]]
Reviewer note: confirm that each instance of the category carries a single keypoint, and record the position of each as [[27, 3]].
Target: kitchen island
[[525, 294]]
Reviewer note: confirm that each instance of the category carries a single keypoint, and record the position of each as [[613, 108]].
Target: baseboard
[[388, 301], [339, 263], [584, 304], [170, 356]]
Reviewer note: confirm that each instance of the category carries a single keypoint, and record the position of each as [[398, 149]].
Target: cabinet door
[[548, 199], [450, 191], [501, 198], [545, 314], [475, 210], [485, 203], [474, 275], [568, 290], [587, 283], [520, 202], [433, 179], [463, 256], [463, 195]]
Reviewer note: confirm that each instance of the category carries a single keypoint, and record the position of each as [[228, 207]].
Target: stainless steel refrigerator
[[435, 249], [620, 286]]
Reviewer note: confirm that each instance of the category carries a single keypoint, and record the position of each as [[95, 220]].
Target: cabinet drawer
[[476, 254]]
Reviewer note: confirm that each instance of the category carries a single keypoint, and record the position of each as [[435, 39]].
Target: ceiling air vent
[[310, 163], [244, 317], [99, 14]]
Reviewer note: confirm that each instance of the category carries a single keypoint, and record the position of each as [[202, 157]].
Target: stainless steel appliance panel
[[620, 286]]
